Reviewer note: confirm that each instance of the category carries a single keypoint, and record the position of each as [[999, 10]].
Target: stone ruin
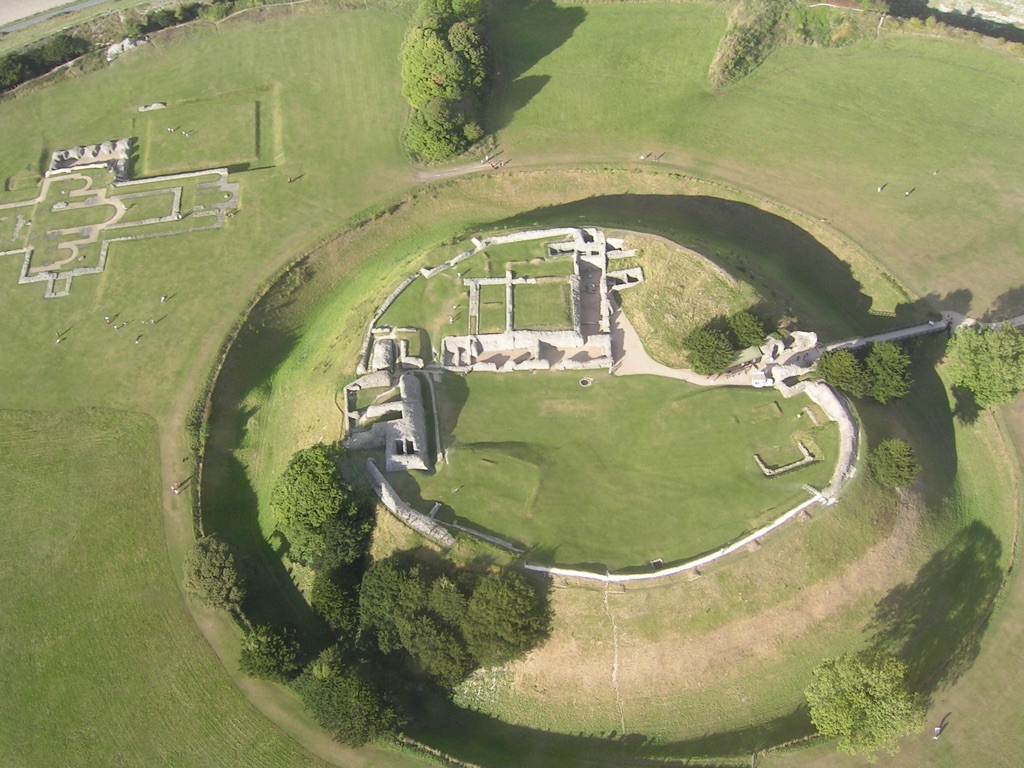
[[396, 421], [399, 426], [586, 345], [125, 45], [114, 155]]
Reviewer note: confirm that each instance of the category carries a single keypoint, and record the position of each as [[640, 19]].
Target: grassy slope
[[102, 665], [622, 472], [355, 100], [747, 128], [899, 109]]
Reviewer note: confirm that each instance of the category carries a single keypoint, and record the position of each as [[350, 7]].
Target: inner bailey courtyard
[[391, 409]]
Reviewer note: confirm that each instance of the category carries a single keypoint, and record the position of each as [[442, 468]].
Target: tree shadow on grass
[[522, 33], [923, 419], [272, 597], [742, 741], [1008, 305], [479, 739], [935, 623], [452, 395], [967, 409]]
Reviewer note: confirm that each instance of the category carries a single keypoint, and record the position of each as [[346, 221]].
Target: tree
[[339, 607], [988, 361], [893, 463], [430, 68], [211, 574], [839, 368], [447, 600], [269, 653], [13, 71], [436, 131], [389, 597], [505, 618], [437, 649], [888, 369], [466, 42], [310, 491], [325, 524], [864, 702], [344, 704], [708, 351], [747, 329]]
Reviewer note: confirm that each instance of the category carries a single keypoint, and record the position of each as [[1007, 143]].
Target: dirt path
[[681, 662], [425, 177], [631, 359]]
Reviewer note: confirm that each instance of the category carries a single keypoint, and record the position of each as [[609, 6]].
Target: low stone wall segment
[[396, 506]]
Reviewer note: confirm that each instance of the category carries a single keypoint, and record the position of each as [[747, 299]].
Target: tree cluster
[[864, 702], [884, 373], [20, 67], [450, 626], [711, 348], [988, 361], [386, 620], [445, 65]]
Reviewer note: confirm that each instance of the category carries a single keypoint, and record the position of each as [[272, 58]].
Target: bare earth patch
[[597, 668]]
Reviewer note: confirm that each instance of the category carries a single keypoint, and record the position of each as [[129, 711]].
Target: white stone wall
[[397, 507]]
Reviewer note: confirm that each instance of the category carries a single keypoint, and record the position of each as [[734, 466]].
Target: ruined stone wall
[[397, 507], [837, 409]]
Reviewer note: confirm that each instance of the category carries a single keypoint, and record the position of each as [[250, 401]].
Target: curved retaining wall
[[614, 578], [837, 409]]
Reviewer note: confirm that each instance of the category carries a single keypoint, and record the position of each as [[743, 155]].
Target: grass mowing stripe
[[102, 665]]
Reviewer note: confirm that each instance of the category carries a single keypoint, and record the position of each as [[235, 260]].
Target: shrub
[[211, 574], [17, 68], [893, 464], [708, 351], [753, 33], [269, 653]]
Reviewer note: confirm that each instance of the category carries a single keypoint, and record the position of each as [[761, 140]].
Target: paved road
[[14, 13]]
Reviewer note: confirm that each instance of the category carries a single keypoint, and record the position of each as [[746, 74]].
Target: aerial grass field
[[627, 470], [103, 666], [584, 90]]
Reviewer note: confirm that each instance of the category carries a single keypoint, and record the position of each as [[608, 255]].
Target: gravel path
[[632, 359]]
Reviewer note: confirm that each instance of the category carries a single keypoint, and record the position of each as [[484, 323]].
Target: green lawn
[[207, 134], [627, 470], [543, 306], [815, 130], [102, 664]]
